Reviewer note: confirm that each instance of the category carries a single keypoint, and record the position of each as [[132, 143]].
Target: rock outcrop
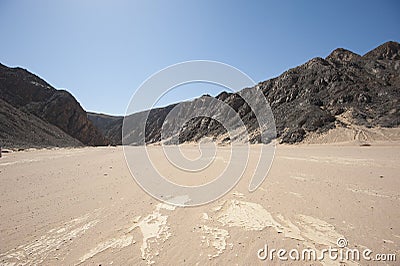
[[22, 130], [110, 126], [33, 96]]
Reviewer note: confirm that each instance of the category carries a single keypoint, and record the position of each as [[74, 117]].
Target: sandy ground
[[81, 206]]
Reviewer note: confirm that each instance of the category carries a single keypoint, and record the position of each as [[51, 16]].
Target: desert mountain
[[110, 126], [38, 105], [25, 130], [343, 90], [340, 91]]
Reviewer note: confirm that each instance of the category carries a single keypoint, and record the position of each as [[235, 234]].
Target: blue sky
[[101, 51]]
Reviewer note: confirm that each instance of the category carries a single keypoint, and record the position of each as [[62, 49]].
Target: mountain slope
[[311, 97], [308, 99], [109, 126], [24, 130], [32, 95]]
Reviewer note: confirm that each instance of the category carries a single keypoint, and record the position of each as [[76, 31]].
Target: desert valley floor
[[81, 206]]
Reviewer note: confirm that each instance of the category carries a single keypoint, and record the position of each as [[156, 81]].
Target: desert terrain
[[199, 133], [81, 206]]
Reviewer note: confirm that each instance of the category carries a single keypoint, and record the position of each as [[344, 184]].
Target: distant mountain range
[[322, 94], [341, 90]]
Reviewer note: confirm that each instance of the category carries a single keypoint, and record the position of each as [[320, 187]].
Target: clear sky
[[101, 51]]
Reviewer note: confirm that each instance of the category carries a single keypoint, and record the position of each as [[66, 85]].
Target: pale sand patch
[[290, 230], [247, 215], [299, 178], [178, 201], [205, 216], [298, 195], [216, 238], [353, 134], [318, 231], [388, 241], [121, 242], [20, 161], [334, 160], [155, 231], [238, 195], [38, 250], [371, 192], [313, 232]]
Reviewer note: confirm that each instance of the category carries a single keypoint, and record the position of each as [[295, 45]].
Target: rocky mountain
[[110, 126], [324, 93], [24, 130], [34, 99], [314, 96], [342, 90]]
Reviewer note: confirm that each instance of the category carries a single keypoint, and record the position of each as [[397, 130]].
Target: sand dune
[[81, 206]]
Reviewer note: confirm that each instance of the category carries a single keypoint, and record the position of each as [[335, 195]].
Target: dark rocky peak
[[24, 75], [342, 55], [30, 94], [222, 96], [205, 96], [389, 50], [311, 64], [20, 87]]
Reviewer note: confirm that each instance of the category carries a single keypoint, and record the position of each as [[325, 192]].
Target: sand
[[81, 206]]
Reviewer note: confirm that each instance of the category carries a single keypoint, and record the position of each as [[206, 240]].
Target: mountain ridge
[[24, 130], [32, 95], [310, 98]]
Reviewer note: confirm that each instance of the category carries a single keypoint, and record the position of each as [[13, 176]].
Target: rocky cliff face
[[33, 96], [311, 98], [110, 126], [23, 130]]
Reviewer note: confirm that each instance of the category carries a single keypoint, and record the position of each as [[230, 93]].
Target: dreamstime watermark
[[340, 253], [139, 129]]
